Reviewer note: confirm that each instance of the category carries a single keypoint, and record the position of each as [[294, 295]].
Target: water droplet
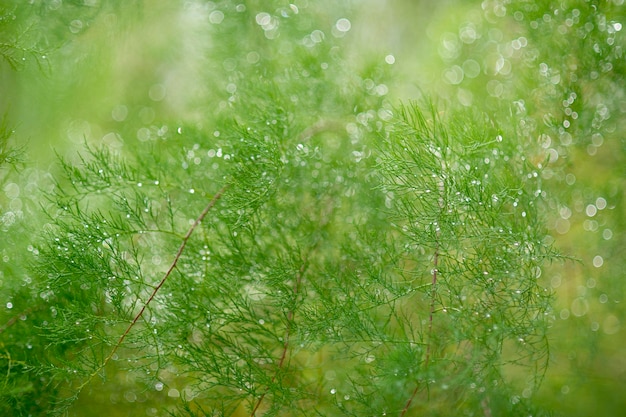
[[157, 92], [76, 26], [119, 113], [263, 18], [253, 57], [579, 307], [333, 391], [471, 68], [611, 324], [598, 261], [453, 75], [343, 25], [130, 396], [216, 17], [12, 190]]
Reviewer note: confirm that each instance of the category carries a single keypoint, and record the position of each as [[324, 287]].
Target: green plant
[[291, 242], [406, 267]]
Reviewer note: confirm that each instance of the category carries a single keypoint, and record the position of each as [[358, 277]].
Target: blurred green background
[[77, 71]]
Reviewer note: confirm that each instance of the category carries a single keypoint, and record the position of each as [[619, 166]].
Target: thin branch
[[290, 315], [179, 253], [433, 296], [430, 328], [325, 219]]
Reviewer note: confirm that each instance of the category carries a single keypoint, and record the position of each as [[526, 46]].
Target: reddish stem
[[430, 327], [433, 294], [179, 253], [283, 355]]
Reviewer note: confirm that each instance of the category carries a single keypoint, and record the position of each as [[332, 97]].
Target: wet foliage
[[273, 208]]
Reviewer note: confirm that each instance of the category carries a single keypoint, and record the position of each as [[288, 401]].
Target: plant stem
[[179, 253], [290, 315], [430, 327], [433, 294]]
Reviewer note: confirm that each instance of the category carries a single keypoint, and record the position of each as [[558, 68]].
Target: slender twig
[[179, 253], [432, 304], [433, 296], [430, 327], [287, 335]]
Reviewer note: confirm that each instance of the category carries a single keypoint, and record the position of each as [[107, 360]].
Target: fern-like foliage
[[291, 276], [465, 201], [303, 249]]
